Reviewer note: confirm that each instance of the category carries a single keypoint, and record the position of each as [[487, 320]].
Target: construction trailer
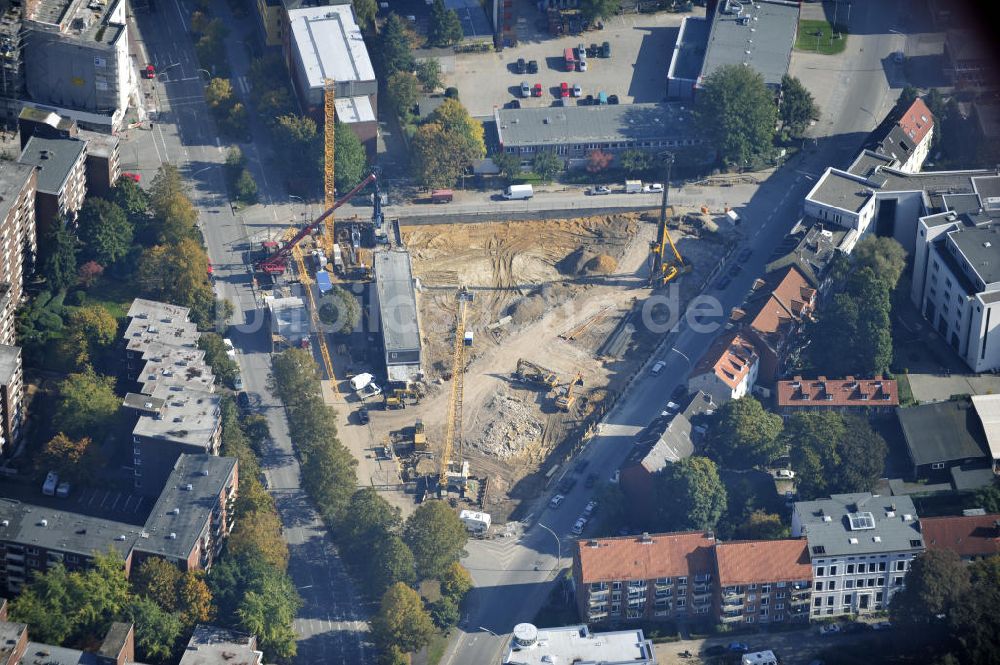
[[475, 521]]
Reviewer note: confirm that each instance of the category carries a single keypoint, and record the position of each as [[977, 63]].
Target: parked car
[[149, 72], [597, 191], [593, 51], [556, 501], [591, 480], [581, 51], [606, 50], [615, 475], [515, 104], [62, 491], [525, 89], [577, 90], [536, 91], [243, 400], [785, 473], [738, 647], [134, 177], [830, 629], [238, 382], [657, 368], [590, 508], [588, 100], [363, 416], [567, 484], [744, 255], [521, 67], [652, 187], [579, 526], [564, 89], [581, 65], [532, 66], [612, 99]]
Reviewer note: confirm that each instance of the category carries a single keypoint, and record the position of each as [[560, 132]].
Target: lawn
[[114, 295], [821, 37]]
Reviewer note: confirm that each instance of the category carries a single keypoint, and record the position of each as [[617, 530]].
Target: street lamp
[[488, 631], [558, 545], [681, 354], [207, 74]]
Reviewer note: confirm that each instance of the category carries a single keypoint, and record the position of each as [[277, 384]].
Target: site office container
[[570, 60]]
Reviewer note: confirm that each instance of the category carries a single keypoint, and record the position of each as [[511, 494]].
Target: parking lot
[[641, 45]]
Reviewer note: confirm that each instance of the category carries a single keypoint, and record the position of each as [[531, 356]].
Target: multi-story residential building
[[812, 248], [76, 58], [861, 546], [211, 645], [193, 515], [728, 370], [62, 179], [18, 239], [653, 453], [969, 536], [763, 581], [779, 305], [848, 395], [659, 577], [117, 648], [11, 398], [904, 138], [576, 644], [956, 278]]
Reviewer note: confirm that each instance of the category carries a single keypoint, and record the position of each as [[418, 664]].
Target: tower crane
[[329, 155], [453, 426]]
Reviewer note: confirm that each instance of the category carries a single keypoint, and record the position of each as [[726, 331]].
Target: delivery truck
[[633, 186], [515, 192]]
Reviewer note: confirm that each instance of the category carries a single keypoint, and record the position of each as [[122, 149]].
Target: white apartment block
[[861, 546]]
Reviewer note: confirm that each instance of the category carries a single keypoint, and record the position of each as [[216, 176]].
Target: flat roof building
[[289, 321], [212, 645], [759, 34], [398, 317], [61, 183], [576, 644]]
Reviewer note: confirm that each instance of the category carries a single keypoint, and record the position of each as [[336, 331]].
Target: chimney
[[645, 539]]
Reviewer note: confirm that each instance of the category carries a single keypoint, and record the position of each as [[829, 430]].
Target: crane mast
[[453, 426]]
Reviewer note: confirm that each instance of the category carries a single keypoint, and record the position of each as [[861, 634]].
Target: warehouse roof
[[645, 557], [397, 301], [330, 45], [175, 535], [355, 109], [689, 51], [942, 432], [559, 125], [861, 523], [759, 34], [988, 409], [54, 158], [761, 561]]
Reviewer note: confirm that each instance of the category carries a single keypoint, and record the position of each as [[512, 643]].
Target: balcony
[[637, 602], [733, 598], [601, 596], [799, 600], [702, 591], [638, 588], [597, 616], [17, 558], [732, 618]]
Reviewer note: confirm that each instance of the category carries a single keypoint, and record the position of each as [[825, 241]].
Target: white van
[[361, 380], [50, 484], [515, 192]]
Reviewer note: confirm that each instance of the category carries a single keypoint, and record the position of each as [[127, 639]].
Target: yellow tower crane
[[329, 154], [453, 426], [306, 281]]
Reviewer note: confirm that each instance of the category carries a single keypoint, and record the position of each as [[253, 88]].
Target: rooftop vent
[[852, 541], [877, 539], [188, 487], [172, 536]]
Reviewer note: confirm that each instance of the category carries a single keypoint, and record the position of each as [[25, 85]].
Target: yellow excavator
[[565, 401], [529, 372], [663, 269]]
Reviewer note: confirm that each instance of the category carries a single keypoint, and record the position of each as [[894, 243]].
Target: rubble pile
[[511, 429]]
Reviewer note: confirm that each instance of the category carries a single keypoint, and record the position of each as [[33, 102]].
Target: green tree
[[736, 112], [391, 562], [907, 96], [546, 164], [158, 580], [132, 199], [745, 435], [593, 10], [444, 147], [300, 148], [885, 256], [74, 460], [444, 612], [395, 46], [690, 495], [87, 406], [797, 106], [975, 620], [635, 162], [444, 27], [175, 273], [260, 531], [365, 10], [245, 187], [436, 536], [369, 518], [224, 367], [403, 88], [761, 526], [988, 497], [59, 259], [456, 582], [194, 599], [104, 230], [350, 160], [402, 620], [92, 332], [508, 163], [219, 94], [429, 74], [862, 456], [936, 584], [340, 310], [157, 630], [812, 440]]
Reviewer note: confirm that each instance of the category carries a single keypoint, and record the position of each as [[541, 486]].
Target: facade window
[[751, 597], [821, 571], [765, 601], [833, 570], [819, 586], [616, 609], [779, 606], [880, 582], [818, 602], [847, 599], [681, 602], [749, 619], [900, 566], [881, 567], [681, 581], [937, 465], [829, 601], [878, 597], [897, 580], [616, 585], [850, 569], [833, 585], [780, 594], [848, 584], [663, 580]]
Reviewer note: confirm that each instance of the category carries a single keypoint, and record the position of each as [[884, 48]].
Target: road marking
[[180, 15]]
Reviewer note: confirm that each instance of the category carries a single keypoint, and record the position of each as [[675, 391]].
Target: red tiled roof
[[761, 561], [917, 121], [973, 535], [731, 358], [842, 392], [791, 299], [629, 558]]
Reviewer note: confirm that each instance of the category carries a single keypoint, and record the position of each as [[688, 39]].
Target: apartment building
[[905, 137], [861, 546], [971, 537], [812, 247], [652, 577], [847, 395], [193, 515], [11, 398], [763, 581], [212, 645], [728, 370], [61, 180], [117, 648], [18, 239]]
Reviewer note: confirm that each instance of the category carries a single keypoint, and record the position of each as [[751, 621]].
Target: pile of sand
[[602, 264]]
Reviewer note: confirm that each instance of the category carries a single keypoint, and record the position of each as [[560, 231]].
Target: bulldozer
[[565, 401], [536, 375]]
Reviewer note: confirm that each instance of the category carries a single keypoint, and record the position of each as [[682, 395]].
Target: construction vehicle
[[277, 262], [662, 268], [419, 438], [529, 372], [399, 398], [453, 425], [565, 401]]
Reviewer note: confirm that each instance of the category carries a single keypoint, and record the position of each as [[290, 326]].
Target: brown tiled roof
[[629, 558], [791, 299], [917, 121], [973, 535], [731, 357], [760, 561], [838, 392]]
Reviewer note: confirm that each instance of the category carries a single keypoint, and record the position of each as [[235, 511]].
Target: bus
[[570, 60]]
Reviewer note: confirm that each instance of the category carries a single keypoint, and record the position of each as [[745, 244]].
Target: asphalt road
[[513, 575], [330, 626]]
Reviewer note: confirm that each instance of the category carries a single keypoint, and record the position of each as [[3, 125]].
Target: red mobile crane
[[276, 262]]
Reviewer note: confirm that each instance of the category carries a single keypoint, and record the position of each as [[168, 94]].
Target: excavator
[[529, 372], [565, 402], [663, 269]]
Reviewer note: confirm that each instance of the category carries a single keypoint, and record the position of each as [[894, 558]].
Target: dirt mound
[[574, 262], [512, 427], [602, 264]]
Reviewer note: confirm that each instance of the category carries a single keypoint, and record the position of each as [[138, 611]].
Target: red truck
[[442, 196], [570, 60]]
